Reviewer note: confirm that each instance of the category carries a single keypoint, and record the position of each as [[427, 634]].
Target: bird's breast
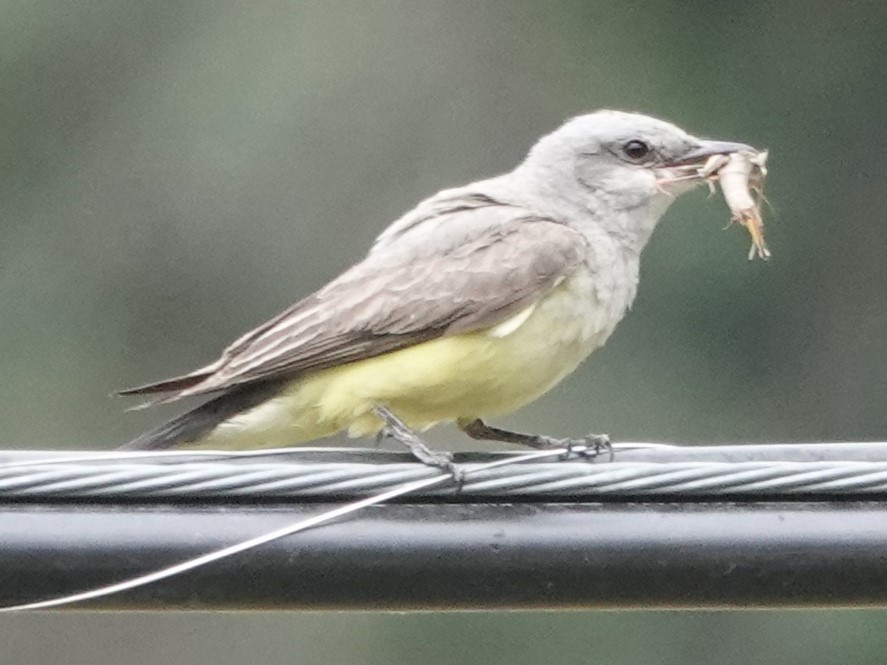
[[583, 310]]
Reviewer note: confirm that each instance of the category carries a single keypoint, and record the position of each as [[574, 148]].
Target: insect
[[741, 176]]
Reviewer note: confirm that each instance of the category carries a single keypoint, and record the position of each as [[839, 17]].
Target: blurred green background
[[175, 172]]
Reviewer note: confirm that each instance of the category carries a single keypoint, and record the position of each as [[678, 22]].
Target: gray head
[[611, 161]]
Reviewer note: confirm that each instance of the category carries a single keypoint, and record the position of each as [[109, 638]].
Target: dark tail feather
[[170, 385], [192, 426]]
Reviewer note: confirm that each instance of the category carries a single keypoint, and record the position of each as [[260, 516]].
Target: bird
[[474, 303]]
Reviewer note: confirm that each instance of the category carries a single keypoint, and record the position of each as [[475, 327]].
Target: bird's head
[[612, 163]]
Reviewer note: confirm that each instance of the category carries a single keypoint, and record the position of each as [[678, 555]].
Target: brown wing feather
[[369, 311]]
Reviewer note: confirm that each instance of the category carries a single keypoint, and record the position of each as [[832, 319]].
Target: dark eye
[[636, 150]]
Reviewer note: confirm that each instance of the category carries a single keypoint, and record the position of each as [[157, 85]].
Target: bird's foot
[[588, 447], [397, 430]]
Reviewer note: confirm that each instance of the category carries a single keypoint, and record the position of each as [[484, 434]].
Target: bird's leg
[[398, 430], [593, 444]]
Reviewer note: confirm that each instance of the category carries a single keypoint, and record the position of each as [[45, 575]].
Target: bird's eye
[[636, 150]]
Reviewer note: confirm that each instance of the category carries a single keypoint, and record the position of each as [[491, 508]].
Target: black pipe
[[456, 556]]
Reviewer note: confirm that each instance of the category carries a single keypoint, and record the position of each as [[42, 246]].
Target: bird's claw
[[590, 447], [381, 435]]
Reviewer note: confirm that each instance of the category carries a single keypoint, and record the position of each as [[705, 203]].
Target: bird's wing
[[375, 308]]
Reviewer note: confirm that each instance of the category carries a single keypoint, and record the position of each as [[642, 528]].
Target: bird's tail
[[194, 425]]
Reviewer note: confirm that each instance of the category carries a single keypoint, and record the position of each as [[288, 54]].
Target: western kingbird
[[474, 303]]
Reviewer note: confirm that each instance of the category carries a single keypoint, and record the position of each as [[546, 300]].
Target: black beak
[[705, 149]]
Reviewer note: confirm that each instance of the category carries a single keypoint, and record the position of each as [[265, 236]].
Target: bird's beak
[[705, 149]]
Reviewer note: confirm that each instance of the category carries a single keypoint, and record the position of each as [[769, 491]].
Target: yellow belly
[[479, 374]]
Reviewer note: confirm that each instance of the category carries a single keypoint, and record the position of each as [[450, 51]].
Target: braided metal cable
[[307, 476]]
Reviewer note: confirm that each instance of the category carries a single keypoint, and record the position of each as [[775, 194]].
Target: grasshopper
[[741, 176]]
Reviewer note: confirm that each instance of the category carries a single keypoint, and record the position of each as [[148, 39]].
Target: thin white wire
[[139, 455]]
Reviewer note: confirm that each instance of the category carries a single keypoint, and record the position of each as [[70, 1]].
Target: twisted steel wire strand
[[828, 470]]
